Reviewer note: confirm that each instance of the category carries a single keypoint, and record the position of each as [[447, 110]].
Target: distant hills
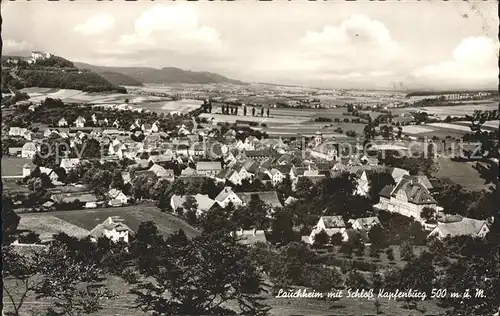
[[152, 75]]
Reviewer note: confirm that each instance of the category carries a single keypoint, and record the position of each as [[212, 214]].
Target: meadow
[[13, 166], [86, 220]]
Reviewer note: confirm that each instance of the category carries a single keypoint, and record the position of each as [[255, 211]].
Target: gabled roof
[[188, 171], [251, 166], [284, 169], [398, 173], [250, 237], [367, 222], [114, 193], [111, 223], [208, 165], [160, 172], [299, 171], [268, 197], [386, 191], [416, 192], [224, 194], [467, 226], [333, 221]]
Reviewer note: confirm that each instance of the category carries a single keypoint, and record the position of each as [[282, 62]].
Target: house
[[268, 197], [296, 172], [26, 170], [460, 227], [251, 237], [113, 228], [117, 197], [203, 201], [246, 145], [126, 177], [62, 122], [364, 223], [369, 160], [17, 131], [28, 150], [188, 172], [162, 173], [49, 132], [198, 149], [208, 168], [330, 225], [227, 196], [362, 182], [117, 148], [80, 121], [408, 197], [328, 151], [249, 169], [257, 154], [15, 151], [69, 163], [279, 173], [228, 175], [290, 200]]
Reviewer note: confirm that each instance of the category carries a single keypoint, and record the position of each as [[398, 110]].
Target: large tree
[[200, 277]]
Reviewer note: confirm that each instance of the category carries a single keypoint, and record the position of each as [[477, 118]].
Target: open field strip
[[412, 129], [257, 119], [488, 124], [450, 126]]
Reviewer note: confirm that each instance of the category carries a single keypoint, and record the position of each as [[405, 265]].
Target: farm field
[[133, 216], [183, 106], [240, 117], [456, 110], [489, 125], [462, 173]]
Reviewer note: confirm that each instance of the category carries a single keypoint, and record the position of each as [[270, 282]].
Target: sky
[[334, 44]]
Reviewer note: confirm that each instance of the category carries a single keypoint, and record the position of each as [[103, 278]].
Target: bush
[[130, 276]]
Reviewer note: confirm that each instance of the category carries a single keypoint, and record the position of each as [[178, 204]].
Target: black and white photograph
[[267, 158]]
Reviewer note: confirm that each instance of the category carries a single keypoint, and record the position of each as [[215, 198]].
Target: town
[[218, 198]]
